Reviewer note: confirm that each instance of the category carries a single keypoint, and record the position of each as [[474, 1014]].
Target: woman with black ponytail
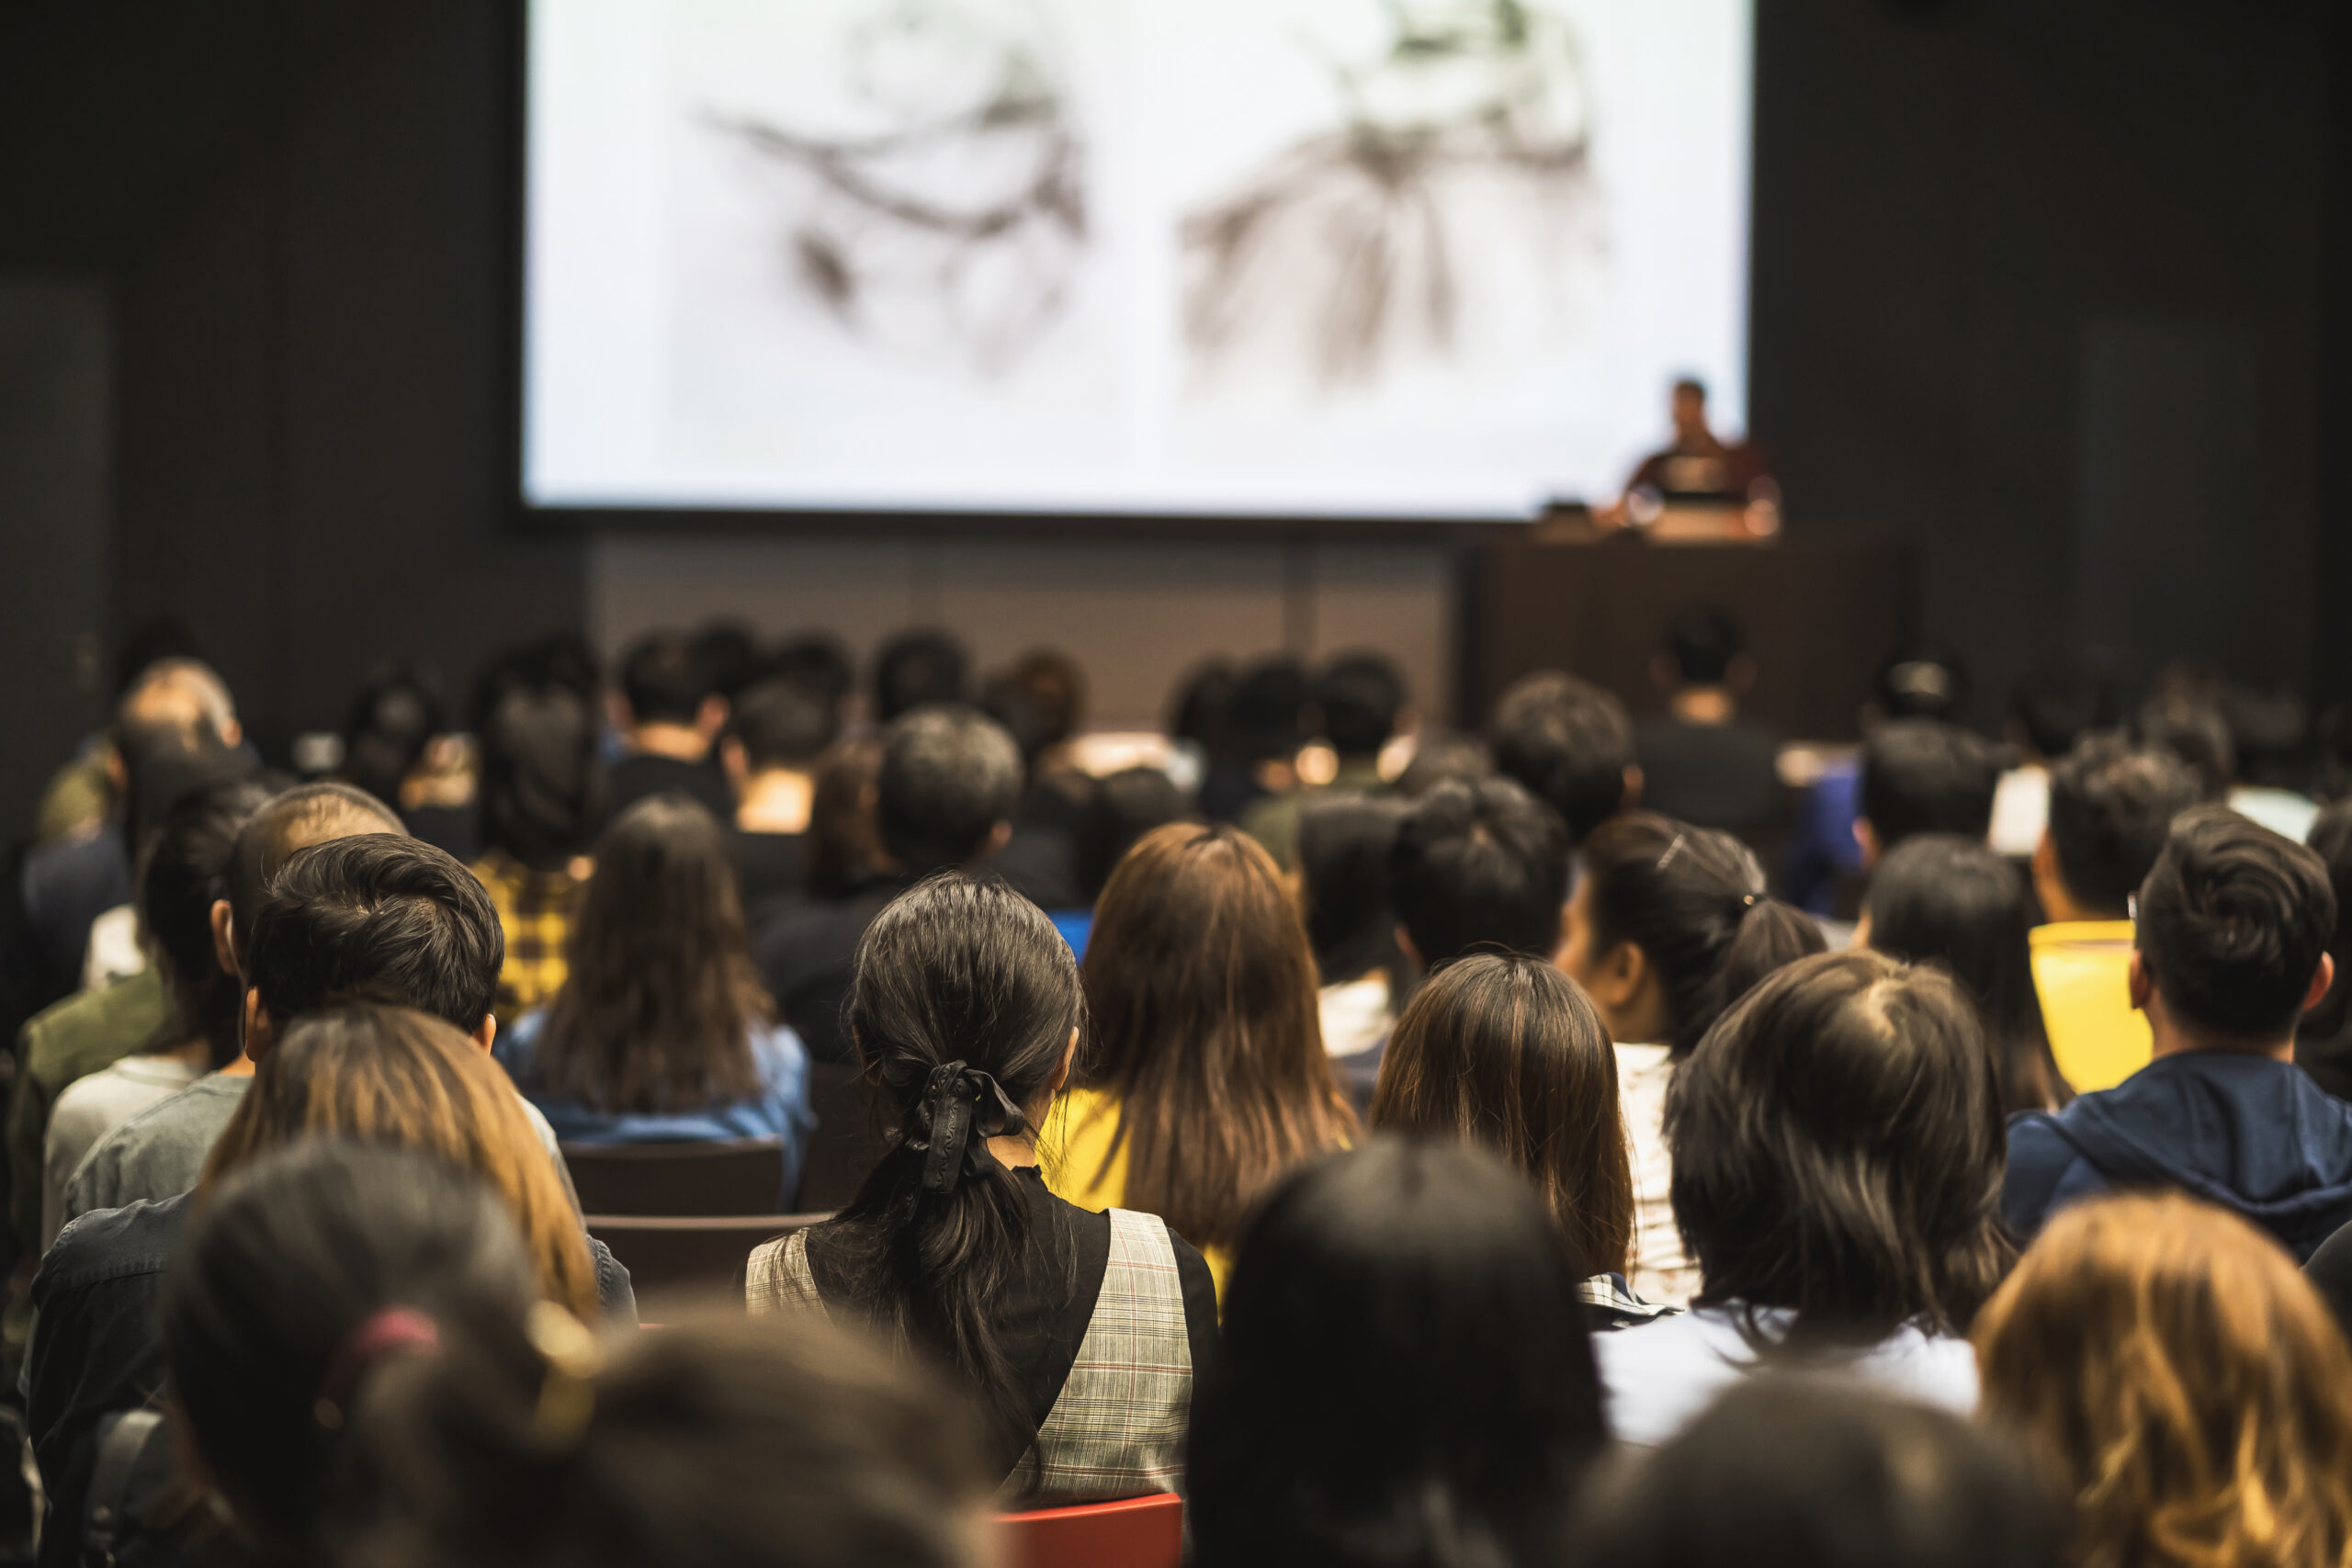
[[1080, 1333], [1668, 926]]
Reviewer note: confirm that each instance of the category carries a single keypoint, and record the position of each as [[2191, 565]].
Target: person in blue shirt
[[661, 1031]]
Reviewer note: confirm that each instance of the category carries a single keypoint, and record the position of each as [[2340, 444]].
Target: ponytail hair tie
[[957, 1101], [391, 1331]]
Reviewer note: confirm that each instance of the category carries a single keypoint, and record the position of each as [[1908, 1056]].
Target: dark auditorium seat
[[700, 1178], [845, 1145], [671, 1252]]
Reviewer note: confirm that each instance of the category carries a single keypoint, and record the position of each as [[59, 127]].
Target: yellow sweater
[[2081, 971], [1070, 1146]]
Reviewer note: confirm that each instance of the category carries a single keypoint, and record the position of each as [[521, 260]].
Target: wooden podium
[[1821, 613]]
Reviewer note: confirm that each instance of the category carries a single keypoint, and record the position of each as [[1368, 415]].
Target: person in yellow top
[[1208, 1078], [2111, 804]]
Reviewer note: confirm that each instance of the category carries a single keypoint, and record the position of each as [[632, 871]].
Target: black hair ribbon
[[957, 1101]]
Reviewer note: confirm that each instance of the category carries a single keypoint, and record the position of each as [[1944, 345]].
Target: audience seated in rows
[[2111, 804], [1702, 763], [776, 732], [668, 711], [1923, 775], [1207, 1078], [1437, 1267], [1943, 898], [1570, 745], [2053, 706], [1825, 862], [1041, 702], [540, 804], [2231, 950], [2324, 1038], [1359, 702], [1249, 727], [1345, 840], [663, 1031], [2177, 1384], [944, 785], [1668, 926], [383, 1075], [1836, 1148], [1081, 1332], [1503, 1051], [159, 1151]]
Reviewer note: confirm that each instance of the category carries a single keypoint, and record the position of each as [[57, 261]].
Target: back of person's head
[[2111, 806], [1200, 711], [1942, 898], [1922, 775], [396, 1077], [663, 680], [918, 670], [394, 717], [1121, 808], [376, 917], [2233, 923], [712, 1442], [1040, 700], [962, 1008], [2331, 840], [781, 723], [1344, 841], [180, 696], [1570, 743], [160, 764], [949, 778], [818, 664], [1796, 1472], [2056, 703], [2173, 1375], [1700, 643], [657, 1011], [1482, 865], [2196, 732], [1404, 1375], [186, 872], [542, 792], [303, 1274], [1504, 1051], [1923, 681], [1360, 697], [728, 653], [1203, 990], [1442, 757], [1691, 901], [290, 820], [1266, 719], [1839, 1150], [844, 844]]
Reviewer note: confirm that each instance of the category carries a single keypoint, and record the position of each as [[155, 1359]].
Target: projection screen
[[1350, 258]]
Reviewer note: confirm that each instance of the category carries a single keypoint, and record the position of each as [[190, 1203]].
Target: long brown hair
[[1202, 987], [388, 1074], [1503, 1049], [659, 1007], [844, 839], [2173, 1371]]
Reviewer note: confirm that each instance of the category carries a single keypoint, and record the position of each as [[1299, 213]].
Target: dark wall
[[303, 211]]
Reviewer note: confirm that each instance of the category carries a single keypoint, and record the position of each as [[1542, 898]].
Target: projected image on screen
[[1348, 257]]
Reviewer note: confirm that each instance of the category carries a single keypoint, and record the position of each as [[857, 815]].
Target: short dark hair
[[783, 723], [1922, 775], [2059, 702], [1923, 681], [1797, 1469], [918, 669], [949, 775], [1569, 743], [664, 679], [1480, 865], [394, 717], [1041, 701], [2111, 806], [1266, 716], [729, 656], [1346, 839], [307, 814], [2197, 733], [1360, 695], [1702, 642], [816, 663], [184, 873], [541, 797], [2233, 921], [376, 918]]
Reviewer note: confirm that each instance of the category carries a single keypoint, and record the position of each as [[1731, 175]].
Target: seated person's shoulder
[[111, 1243]]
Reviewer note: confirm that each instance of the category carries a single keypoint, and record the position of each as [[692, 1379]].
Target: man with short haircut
[[1360, 698], [160, 1151], [2111, 808], [776, 732], [1479, 867], [918, 670], [944, 799], [1702, 763], [1570, 744], [669, 711], [2052, 707], [1922, 775], [2232, 949]]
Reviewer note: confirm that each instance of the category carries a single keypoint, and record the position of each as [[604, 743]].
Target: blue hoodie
[[2258, 1137]]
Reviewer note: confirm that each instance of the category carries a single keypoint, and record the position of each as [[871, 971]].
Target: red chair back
[[1134, 1532]]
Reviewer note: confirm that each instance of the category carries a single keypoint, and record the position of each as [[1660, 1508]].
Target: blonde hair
[[397, 1077], [2171, 1369]]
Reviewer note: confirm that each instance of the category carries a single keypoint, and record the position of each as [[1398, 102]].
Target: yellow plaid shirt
[[535, 910]]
